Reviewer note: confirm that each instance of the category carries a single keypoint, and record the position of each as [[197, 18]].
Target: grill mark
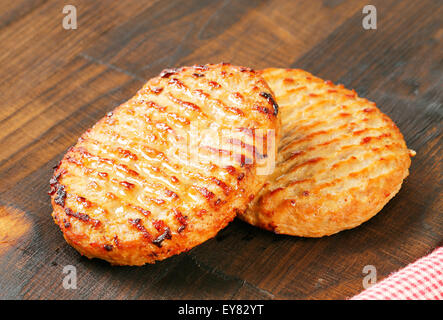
[[159, 225], [320, 107], [185, 104], [129, 186], [54, 179], [155, 170], [214, 84], [231, 170], [240, 158], [82, 217], [116, 241], [194, 175], [204, 192], [296, 89], [170, 116], [156, 90], [182, 220], [226, 189], [102, 174], [344, 162], [177, 83], [271, 101], [200, 94], [149, 150], [201, 67], [87, 204], [328, 142], [293, 183], [320, 132], [174, 117], [165, 235], [125, 168], [245, 146], [158, 129], [353, 174], [206, 97], [246, 69], [113, 197], [144, 212], [238, 97], [163, 128], [83, 201], [137, 223], [157, 201], [305, 138], [122, 167], [126, 153], [262, 109], [171, 194], [153, 105], [294, 155], [220, 152], [342, 148], [173, 179], [251, 132], [304, 128], [60, 195], [66, 224], [366, 140], [166, 73], [233, 110], [275, 191], [331, 112], [308, 162]]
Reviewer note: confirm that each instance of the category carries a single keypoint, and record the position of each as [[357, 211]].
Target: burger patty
[[169, 168], [340, 159]]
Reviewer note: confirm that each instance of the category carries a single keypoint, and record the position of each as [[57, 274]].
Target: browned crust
[[120, 196], [301, 206]]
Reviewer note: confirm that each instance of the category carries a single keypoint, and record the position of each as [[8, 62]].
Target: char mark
[[61, 195], [82, 217], [183, 220], [137, 223], [165, 235], [248, 147], [166, 73], [186, 104], [271, 100]]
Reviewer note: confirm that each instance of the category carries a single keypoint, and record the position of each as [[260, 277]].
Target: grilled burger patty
[[169, 168], [340, 159]]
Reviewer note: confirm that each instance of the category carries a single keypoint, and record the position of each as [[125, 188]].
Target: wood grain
[[56, 83]]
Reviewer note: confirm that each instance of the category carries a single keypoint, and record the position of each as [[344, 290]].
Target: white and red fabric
[[421, 280]]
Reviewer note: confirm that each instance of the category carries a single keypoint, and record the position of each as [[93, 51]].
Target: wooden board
[[56, 83]]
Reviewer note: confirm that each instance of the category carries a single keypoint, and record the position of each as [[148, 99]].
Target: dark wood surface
[[56, 83]]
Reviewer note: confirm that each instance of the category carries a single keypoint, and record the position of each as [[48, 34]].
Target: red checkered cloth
[[421, 280]]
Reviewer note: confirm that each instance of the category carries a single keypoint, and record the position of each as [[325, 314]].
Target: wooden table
[[56, 83]]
